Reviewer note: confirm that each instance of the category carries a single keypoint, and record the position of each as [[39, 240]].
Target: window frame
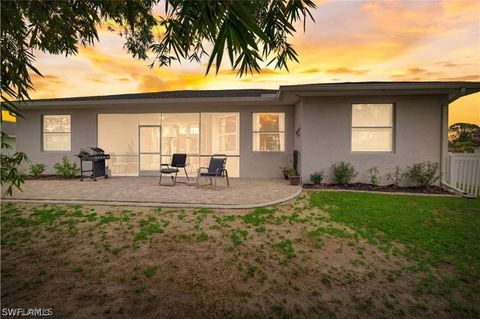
[[392, 127], [44, 133], [236, 133], [270, 132]]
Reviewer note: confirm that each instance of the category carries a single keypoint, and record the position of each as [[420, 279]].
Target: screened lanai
[[139, 143]]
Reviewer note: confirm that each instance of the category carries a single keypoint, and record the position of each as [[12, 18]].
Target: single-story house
[[382, 124]]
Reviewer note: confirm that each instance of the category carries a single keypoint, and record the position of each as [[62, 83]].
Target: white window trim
[[43, 134], [271, 132], [236, 133], [392, 127]]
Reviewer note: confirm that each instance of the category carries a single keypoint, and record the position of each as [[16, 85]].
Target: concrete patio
[[145, 191]]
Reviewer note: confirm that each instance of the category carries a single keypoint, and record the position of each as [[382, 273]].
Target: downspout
[[444, 146]]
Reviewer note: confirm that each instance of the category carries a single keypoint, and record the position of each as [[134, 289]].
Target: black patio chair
[[216, 169], [178, 161]]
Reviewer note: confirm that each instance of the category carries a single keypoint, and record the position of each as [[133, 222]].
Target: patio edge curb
[[152, 204]]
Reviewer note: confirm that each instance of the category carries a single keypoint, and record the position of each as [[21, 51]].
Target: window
[[181, 134], [56, 133], [372, 127], [268, 132], [220, 134]]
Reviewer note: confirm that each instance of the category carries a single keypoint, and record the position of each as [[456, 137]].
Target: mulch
[[50, 177], [383, 188]]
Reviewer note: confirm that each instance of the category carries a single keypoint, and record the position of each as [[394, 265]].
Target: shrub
[[422, 174], [295, 162], [374, 178], [290, 172], [343, 173], [37, 169], [317, 177], [66, 169], [395, 176]]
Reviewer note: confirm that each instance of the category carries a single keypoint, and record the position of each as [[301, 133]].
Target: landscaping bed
[[384, 188], [50, 177]]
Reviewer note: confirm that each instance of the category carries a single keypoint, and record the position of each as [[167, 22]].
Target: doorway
[[149, 149]]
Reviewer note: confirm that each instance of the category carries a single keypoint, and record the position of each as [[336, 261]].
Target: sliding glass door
[[149, 149]]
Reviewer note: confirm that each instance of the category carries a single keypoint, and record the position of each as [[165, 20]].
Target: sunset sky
[[350, 41]]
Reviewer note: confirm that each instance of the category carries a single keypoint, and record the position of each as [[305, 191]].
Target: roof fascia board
[[381, 86], [165, 101], [293, 93]]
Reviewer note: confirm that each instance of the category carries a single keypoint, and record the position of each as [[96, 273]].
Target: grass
[[286, 248], [238, 236], [323, 254], [149, 271], [259, 216], [435, 232], [148, 227]]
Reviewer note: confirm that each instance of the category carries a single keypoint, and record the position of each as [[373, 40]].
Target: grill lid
[[97, 150], [83, 153]]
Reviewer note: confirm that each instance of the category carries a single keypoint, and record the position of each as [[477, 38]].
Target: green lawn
[[436, 232], [324, 255]]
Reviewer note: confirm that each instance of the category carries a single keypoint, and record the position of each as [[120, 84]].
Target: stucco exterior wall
[[84, 133], [326, 134], [324, 137], [29, 135]]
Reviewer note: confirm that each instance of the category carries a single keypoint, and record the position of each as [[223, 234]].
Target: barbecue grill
[[97, 158]]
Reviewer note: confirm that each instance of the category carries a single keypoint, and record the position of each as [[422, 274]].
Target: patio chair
[[178, 162], [216, 169]]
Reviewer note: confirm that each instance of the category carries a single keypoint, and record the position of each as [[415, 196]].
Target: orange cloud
[[384, 31], [264, 71], [148, 80], [47, 85], [344, 70], [416, 74], [472, 77], [311, 70]]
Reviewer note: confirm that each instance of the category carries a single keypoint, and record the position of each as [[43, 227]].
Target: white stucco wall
[[84, 133], [29, 136], [326, 134]]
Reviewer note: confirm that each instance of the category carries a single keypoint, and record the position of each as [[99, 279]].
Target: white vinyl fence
[[464, 171]]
